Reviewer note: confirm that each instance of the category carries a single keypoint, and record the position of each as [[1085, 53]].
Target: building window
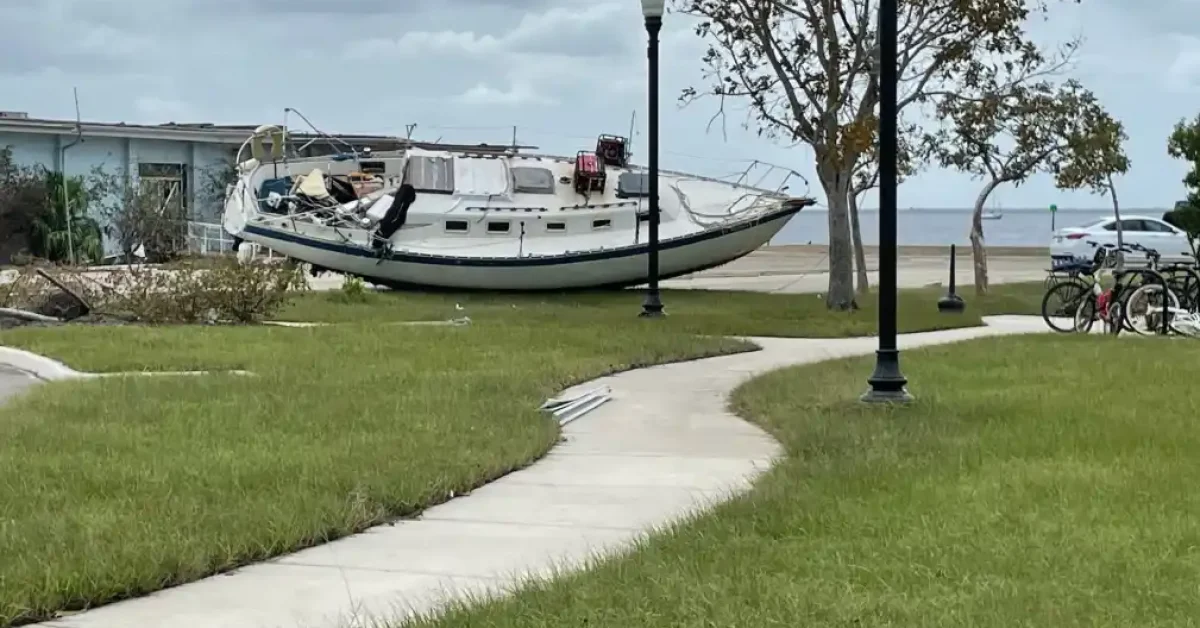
[[165, 185]]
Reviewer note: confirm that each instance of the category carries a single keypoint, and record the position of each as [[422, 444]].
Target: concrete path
[[663, 448], [14, 381]]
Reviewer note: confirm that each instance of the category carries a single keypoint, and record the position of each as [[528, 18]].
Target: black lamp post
[[951, 303], [652, 11], [887, 382]]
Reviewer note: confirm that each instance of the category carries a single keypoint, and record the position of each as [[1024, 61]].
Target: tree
[[1184, 143], [1095, 165], [1186, 216], [146, 221], [47, 214], [22, 196], [213, 184], [808, 71], [866, 178], [64, 230], [1008, 134]]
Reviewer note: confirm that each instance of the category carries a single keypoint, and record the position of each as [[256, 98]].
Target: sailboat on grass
[[493, 219]]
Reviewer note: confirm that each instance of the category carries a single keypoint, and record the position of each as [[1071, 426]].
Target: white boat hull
[[519, 222], [626, 266]]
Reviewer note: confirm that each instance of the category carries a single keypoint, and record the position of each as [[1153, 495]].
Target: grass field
[[689, 311], [1031, 484], [118, 487]]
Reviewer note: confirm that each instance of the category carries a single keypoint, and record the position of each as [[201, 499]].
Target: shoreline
[[911, 250]]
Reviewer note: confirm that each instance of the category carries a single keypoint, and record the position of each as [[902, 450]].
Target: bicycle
[[1064, 296], [1184, 281], [1149, 308], [1151, 312], [1112, 305], [1079, 290]]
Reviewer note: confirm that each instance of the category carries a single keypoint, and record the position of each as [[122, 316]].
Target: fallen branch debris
[[29, 316], [226, 292]]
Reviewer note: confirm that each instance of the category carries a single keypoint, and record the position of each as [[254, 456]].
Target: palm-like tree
[[64, 223]]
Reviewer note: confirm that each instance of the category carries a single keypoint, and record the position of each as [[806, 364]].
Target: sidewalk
[[663, 448]]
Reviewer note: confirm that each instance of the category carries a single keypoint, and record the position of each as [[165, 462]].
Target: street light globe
[[653, 8]]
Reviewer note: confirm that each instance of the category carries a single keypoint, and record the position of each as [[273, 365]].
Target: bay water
[[936, 227]]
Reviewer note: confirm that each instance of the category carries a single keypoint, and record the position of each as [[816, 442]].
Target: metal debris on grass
[[567, 409]]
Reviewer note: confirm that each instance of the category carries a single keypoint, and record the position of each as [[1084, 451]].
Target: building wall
[[201, 163]]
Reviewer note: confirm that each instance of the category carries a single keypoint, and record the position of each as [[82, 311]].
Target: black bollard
[[951, 303]]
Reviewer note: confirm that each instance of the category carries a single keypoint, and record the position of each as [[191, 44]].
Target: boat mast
[[629, 144]]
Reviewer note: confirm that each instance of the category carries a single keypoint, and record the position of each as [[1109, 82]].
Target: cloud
[[25, 47], [558, 48], [1183, 75], [165, 109], [517, 94], [562, 71], [596, 30], [419, 44]]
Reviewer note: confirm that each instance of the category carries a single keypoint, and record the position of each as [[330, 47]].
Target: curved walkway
[[665, 447]]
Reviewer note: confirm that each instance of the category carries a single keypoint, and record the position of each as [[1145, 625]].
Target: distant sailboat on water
[[993, 213]]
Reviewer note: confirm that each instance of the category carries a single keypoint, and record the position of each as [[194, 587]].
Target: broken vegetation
[[226, 292]]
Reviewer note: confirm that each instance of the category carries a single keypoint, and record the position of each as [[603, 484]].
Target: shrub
[[46, 213], [249, 292], [224, 292], [148, 217], [354, 290]]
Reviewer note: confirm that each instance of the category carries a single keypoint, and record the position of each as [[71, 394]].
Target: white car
[[1171, 243]]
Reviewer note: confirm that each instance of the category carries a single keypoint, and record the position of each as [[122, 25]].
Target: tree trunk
[[978, 251], [1112, 192], [862, 281], [840, 295]]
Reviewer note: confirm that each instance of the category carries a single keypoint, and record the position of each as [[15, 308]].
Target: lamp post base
[[652, 307], [951, 304], [887, 383]]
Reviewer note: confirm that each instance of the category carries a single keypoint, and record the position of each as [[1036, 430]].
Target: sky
[[560, 71]]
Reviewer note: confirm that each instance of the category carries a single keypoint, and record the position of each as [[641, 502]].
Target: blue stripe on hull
[[789, 209]]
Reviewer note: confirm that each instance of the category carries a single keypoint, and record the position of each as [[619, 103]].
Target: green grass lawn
[[689, 311], [118, 487], [1037, 481]]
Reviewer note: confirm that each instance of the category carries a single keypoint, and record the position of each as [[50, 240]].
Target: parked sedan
[[1153, 233]]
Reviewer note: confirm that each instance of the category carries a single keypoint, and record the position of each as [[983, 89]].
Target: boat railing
[[207, 238], [788, 175], [280, 136], [760, 203], [332, 140]]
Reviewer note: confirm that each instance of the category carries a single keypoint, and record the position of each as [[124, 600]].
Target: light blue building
[[183, 160]]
